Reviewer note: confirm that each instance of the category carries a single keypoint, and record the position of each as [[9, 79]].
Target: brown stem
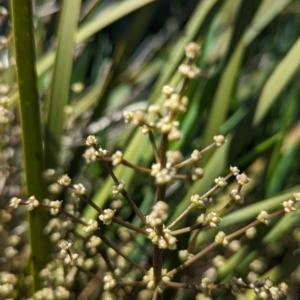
[[137, 168], [154, 148]]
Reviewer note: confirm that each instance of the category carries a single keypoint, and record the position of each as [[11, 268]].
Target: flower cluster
[[164, 241], [149, 279]]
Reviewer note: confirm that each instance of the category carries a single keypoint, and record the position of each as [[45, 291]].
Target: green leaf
[[278, 81], [32, 142], [59, 94]]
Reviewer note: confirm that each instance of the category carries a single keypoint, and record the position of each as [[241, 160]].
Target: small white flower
[[263, 217], [55, 207], [154, 109], [117, 158], [212, 219], [197, 174], [91, 226], [65, 180], [109, 281], [192, 50], [234, 170], [32, 203], [242, 179], [71, 258], [167, 90], [158, 214], [91, 140], [14, 202], [196, 155], [289, 206], [79, 189], [220, 238], [219, 140], [189, 71], [93, 242], [205, 285], [107, 216], [90, 154], [297, 196], [220, 181], [117, 189], [128, 116], [236, 197], [64, 245]]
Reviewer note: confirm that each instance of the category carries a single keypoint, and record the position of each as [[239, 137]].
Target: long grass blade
[[59, 95], [31, 130]]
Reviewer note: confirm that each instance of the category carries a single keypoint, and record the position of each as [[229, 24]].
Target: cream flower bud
[[297, 196], [204, 285], [91, 226], [79, 189], [197, 174], [14, 202], [189, 71], [128, 116], [219, 140], [236, 197], [65, 180], [117, 189], [196, 155], [154, 109], [158, 214], [138, 117], [90, 155], [263, 217], [64, 245], [55, 207], [289, 206], [71, 259], [168, 90], [234, 170], [242, 179], [117, 158], [174, 157], [192, 50], [109, 281], [32, 203], [220, 181], [213, 219], [91, 140], [220, 238], [107, 216], [93, 242]]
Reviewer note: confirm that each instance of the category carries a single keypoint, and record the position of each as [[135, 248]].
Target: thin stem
[[193, 259], [209, 147], [214, 244], [188, 209], [154, 148], [114, 219], [90, 274], [157, 264], [125, 194], [129, 226], [183, 163], [192, 243], [116, 249], [181, 216], [190, 228], [163, 150], [254, 223], [135, 167]]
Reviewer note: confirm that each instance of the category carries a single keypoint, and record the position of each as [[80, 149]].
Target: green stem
[[32, 144]]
